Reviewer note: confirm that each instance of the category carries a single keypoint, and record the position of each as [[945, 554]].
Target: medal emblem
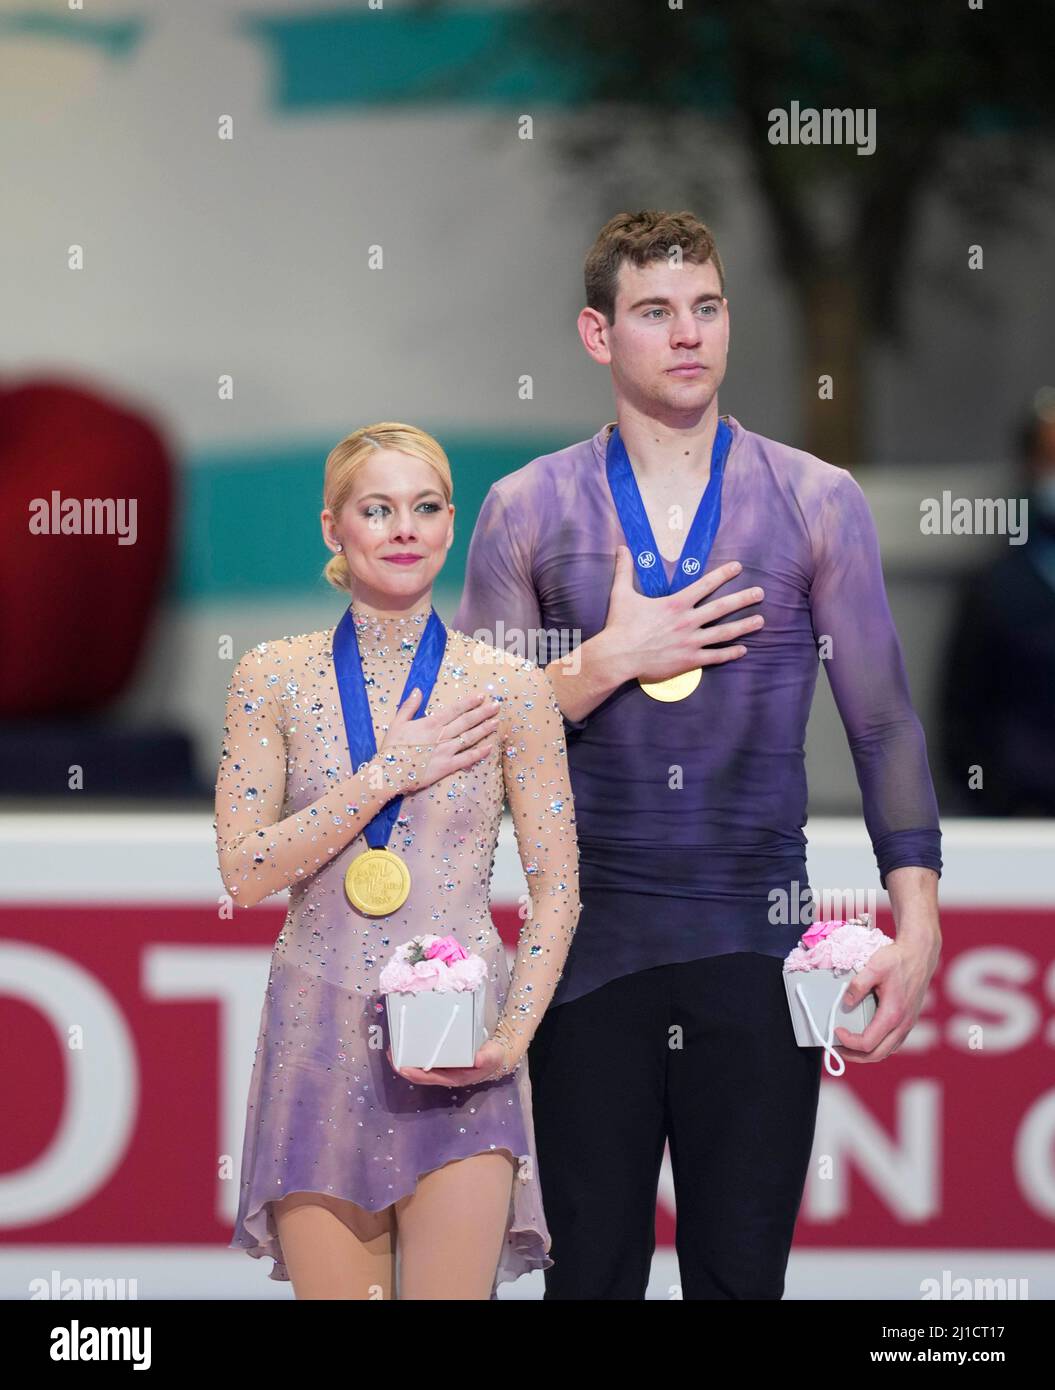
[[674, 687], [377, 882]]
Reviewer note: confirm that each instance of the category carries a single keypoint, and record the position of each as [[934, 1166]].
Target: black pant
[[702, 1053]]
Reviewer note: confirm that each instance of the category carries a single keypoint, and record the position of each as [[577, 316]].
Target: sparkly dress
[[326, 1112]]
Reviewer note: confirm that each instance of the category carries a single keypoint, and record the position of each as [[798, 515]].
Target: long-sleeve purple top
[[690, 814]]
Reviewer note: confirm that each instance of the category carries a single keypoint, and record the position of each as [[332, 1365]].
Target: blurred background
[[233, 233]]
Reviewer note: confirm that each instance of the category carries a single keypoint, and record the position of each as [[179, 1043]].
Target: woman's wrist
[[513, 1054], [400, 766]]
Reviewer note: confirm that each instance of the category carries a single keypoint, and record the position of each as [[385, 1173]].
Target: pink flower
[[429, 970], [432, 963], [398, 978], [447, 949], [853, 946], [817, 931], [797, 959], [837, 946]]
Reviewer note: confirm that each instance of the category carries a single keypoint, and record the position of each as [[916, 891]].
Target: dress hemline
[[532, 1254]]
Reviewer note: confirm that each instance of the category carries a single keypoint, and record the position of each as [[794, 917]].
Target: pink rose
[[447, 949], [818, 931]]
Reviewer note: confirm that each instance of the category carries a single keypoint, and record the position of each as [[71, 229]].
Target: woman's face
[[396, 529]]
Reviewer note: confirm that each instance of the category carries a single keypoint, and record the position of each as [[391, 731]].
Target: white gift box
[[815, 1001], [436, 1028]]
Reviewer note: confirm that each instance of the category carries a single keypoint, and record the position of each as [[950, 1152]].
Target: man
[[687, 767]]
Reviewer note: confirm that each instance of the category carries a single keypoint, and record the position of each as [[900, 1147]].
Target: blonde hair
[[346, 458]]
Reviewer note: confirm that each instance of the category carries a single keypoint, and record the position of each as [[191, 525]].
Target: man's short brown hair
[[641, 237]]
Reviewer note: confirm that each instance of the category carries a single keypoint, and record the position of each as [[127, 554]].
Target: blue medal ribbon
[[359, 726], [634, 519]]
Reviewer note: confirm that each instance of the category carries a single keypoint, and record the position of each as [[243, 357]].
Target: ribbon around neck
[[355, 705], [638, 532]]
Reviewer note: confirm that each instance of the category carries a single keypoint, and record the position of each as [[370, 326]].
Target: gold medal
[[377, 882], [674, 687]]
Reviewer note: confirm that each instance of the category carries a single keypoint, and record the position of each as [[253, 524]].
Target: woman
[[343, 1154]]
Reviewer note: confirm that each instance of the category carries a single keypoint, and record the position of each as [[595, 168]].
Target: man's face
[[670, 337]]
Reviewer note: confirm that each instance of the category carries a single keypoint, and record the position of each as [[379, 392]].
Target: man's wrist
[[918, 931], [918, 928], [612, 659], [596, 667], [913, 892]]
